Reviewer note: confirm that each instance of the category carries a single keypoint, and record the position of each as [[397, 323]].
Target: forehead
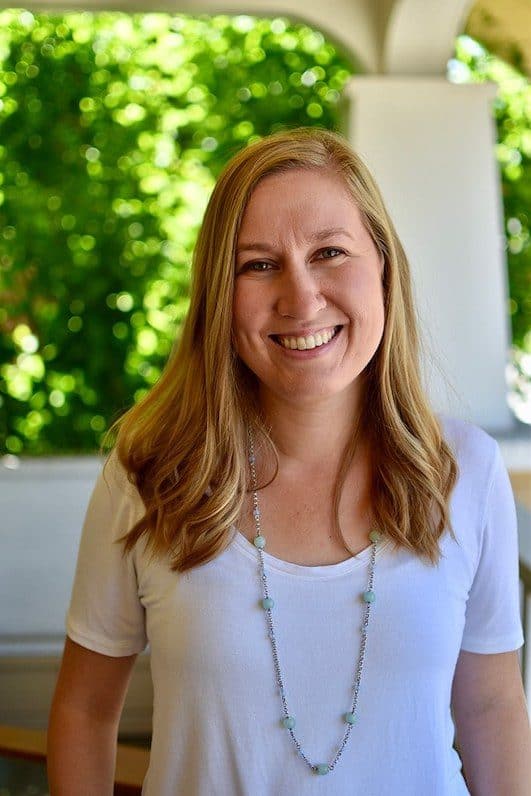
[[297, 200]]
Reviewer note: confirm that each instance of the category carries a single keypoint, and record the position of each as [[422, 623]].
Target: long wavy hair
[[184, 445]]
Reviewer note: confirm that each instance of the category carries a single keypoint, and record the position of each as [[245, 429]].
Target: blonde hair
[[184, 446]]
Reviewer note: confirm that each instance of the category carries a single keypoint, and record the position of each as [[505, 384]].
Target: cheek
[[375, 300], [238, 307], [244, 315], [363, 292], [376, 314], [367, 307], [378, 320]]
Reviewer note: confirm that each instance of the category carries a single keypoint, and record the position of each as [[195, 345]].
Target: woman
[[325, 570]]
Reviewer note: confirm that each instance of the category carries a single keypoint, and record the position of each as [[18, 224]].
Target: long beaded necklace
[[267, 603]]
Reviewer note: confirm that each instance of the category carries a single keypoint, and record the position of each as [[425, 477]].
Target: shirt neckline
[[319, 572]]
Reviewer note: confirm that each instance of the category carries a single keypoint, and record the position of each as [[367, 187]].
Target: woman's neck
[[311, 437]]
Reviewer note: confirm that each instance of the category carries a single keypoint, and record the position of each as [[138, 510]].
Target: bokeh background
[[113, 128]]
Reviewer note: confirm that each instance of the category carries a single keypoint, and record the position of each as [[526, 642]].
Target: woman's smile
[[304, 341], [308, 346]]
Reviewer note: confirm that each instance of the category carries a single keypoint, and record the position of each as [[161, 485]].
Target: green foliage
[[113, 129]]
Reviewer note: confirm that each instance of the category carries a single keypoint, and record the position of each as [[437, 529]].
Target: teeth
[[306, 343]]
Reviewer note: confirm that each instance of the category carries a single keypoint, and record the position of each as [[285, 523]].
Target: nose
[[299, 295]]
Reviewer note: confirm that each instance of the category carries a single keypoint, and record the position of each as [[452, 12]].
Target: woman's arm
[[84, 718], [492, 724]]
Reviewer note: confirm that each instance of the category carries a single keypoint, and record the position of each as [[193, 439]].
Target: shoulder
[[473, 447], [115, 475], [116, 491], [482, 496]]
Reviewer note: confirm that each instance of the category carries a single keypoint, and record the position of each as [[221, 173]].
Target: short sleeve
[[492, 622], [105, 613]]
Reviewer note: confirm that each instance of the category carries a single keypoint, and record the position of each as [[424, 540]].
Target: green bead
[[375, 536], [259, 541], [322, 768], [267, 603], [288, 722], [369, 596], [350, 718]]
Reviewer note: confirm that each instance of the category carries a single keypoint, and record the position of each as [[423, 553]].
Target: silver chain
[[368, 597]]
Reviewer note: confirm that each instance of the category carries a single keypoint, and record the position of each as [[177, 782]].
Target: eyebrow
[[321, 235]]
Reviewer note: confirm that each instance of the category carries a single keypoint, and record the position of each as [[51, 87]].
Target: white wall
[[430, 145], [43, 504]]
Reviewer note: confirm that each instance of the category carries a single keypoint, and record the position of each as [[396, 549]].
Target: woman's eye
[[330, 252], [259, 266]]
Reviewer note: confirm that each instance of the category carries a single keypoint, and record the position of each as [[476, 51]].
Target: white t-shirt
[[217, 710]]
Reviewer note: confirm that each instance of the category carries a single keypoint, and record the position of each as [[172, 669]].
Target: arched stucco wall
[[419, 36], [384, 36]]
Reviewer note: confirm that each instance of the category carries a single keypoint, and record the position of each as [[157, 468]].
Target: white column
[[430, 145]]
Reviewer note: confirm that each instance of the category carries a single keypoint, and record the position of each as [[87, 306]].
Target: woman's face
[[308, 310]]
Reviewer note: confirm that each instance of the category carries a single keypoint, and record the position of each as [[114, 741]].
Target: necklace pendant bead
[[288, 722], [375, 536], [259, 541], [350, 718], [267, 603], [369, 596], [322, 768]]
